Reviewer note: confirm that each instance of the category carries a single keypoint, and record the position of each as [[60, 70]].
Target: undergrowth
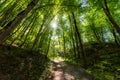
[[20, 64]]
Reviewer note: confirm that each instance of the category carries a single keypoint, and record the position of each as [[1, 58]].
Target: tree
[[80, 41], [108, 14], [13, 24]]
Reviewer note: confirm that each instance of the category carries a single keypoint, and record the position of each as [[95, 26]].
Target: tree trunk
[[108, 14], [72, 39], [64, 44], [73, 43], [80, 41], [13, 24], [95, 33], [6, 15], [1, 5], [48, 47], [115, 37]]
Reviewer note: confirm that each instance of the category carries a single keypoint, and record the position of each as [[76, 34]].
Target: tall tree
[[6, 15], [108, 14], [13, 24], [80, 40]]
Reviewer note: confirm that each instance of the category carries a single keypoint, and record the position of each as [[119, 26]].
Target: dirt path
[[62, 71]]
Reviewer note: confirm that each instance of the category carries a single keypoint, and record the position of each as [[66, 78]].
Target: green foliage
[[37, 32], [106, 66]]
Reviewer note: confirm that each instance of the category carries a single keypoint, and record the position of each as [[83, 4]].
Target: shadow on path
[[62, 71]]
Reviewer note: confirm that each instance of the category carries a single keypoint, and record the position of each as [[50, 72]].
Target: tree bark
[[108, 14], [72, 39], [4, 18], [13, 24], [80, 41]]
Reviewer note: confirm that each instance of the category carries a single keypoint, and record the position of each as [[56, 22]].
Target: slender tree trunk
[[102, 35], [113, 31], [73, 42], [48, 47], [115, 37], [31, 25], [13, 24], [5, 17], [1, 5], [111, 19], [95, 33], [37, 38], [77, 45], [64, 44], [80, 41], [73, 37], [63, 37]]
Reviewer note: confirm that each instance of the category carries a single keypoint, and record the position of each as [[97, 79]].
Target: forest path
[[63, 71]]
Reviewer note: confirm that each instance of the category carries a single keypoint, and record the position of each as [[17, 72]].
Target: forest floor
[[61, 70], [21, 64], [103, 62]]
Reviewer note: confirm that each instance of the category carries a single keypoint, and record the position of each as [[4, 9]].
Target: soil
[[63, 71]]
